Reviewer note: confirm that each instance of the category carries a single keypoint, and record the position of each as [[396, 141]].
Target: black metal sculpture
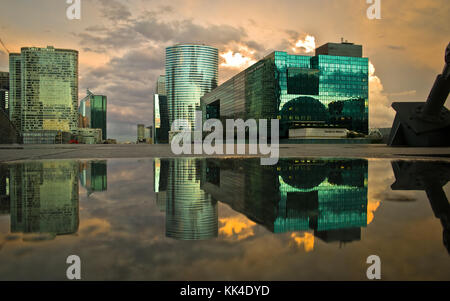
[[426, 124], [431, 177]]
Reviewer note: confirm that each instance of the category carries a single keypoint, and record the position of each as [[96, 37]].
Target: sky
[[122, 43]]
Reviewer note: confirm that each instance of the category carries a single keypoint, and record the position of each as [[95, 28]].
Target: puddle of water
[[224, 219]]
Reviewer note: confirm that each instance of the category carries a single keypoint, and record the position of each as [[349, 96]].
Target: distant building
[[93, 113], [140, 133], [44, 90], [4, 92], [328, 90], [191, 72], [160, 112]]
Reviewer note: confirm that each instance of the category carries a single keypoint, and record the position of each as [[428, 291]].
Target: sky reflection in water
[[209, 219]]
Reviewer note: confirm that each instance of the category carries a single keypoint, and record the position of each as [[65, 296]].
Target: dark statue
[[427, 124]]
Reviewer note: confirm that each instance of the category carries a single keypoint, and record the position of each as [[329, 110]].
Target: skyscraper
[[160, 112], [4, 92], [191, 72], [93, 112], [15, 89], [44, 89]]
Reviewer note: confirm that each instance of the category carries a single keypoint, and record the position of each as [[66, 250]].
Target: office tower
[[324, 91], [191, 213], [161, 85], [44, 197], [191, 72], [160, 112], [92, 113], [4, 92], [15, 89], [44, 90]]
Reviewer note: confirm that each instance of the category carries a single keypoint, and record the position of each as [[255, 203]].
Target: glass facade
[[15, 89], [301, 91], [4, 92], [160, 112], [93, 112], [191, 72], [94, 176], [328, 197], [44, 89]]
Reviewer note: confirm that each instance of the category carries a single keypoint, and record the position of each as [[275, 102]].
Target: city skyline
[[122, 43]]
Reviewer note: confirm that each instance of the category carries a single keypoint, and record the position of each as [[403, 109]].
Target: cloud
[[380, 110]]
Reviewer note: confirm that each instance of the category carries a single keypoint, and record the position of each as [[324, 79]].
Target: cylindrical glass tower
[[191, 72]]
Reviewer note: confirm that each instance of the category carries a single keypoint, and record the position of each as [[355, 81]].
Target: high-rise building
[[4, 92], [327, 90], [44, 90], [160, 112], [191, 72], [92, 113], [15, 89]]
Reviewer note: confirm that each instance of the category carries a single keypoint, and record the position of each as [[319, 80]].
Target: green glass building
[[15, 89], [327, 90], [191, 72], [44, 89], [4, 92], [93, 113]]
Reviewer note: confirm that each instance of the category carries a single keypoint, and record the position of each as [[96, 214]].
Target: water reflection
[[227, 219], [43, 197], [326, 196], [93, 176], [431, 177]]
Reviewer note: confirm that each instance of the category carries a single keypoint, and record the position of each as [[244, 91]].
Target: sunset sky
[[122, 43]]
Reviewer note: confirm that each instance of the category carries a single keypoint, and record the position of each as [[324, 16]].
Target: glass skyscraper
[[160, 112], [93, 113], [326, 90], [191, 72], [15, 89], [4, 92], [44, 89]]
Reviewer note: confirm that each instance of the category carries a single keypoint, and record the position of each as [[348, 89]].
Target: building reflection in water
[[191, 213], [327, 196], [93, 176], [430, 177], [4, 190], [44, 197]]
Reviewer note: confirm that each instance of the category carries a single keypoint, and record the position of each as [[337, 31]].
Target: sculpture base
[[411, 129]]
